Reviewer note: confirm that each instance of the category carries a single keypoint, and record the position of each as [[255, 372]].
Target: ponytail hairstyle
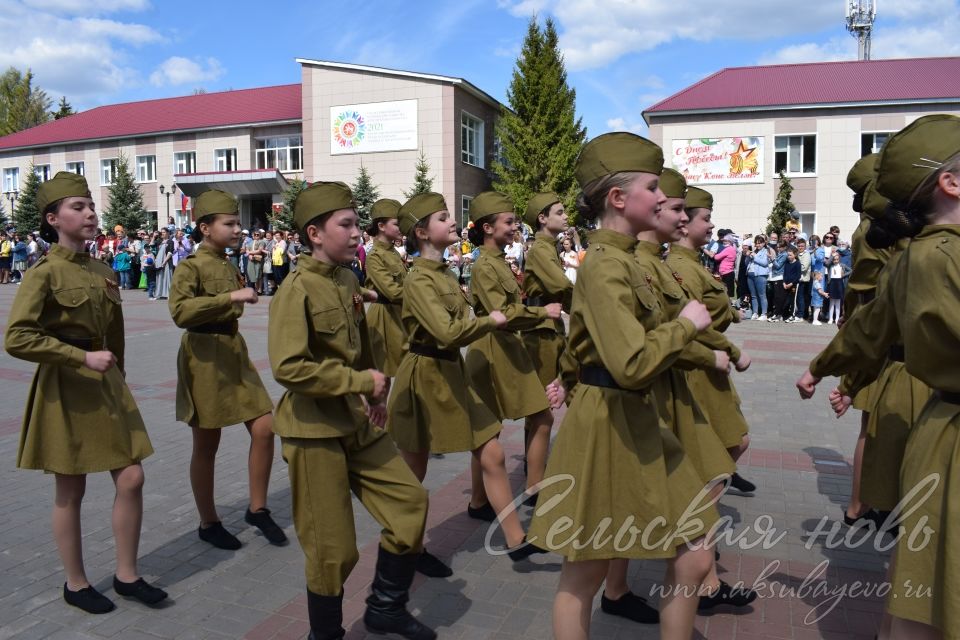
[[196, 235], [592, 201], [411, 243], [47, 232], [475, 233]]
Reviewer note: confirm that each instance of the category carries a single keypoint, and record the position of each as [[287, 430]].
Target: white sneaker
[[817, 323], [762, 318], [830, 321]]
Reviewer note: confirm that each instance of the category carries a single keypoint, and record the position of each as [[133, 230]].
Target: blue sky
[[622, 55]]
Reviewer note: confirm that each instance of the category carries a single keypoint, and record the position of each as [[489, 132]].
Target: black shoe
[[524, 550], [741, 484], [431, 566], [869, 516], [389, 592], [139, 590], [88, 599], [326, 616], [631, 607], [219, 537], [271, 531], [735, 597], [485, 513]]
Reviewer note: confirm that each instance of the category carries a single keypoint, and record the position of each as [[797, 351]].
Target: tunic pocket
[[329, 321], [451, 302], [646, 297], [71, 297], [216, 286]]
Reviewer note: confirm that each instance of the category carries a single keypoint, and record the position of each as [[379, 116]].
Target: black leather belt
[[381, 299], [433, 352], [220, 328], [896, 352], [598, 377], [534, 301], [950, 396], [87, 344]]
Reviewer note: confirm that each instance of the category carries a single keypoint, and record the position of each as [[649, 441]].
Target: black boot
[[326, 616], [389, 593]]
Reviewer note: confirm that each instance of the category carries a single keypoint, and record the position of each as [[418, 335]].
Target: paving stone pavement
[[799, 458]]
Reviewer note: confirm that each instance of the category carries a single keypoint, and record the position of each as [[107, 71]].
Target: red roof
[[224, 108], [857, 81]]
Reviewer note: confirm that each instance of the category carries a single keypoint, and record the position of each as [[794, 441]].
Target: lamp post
[[12, 199], [168, 193]]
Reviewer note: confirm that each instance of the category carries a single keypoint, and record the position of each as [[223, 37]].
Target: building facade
[[733, 132], [252, 142]]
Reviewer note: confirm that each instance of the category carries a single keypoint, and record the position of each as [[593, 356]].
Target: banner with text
[[375, 126], [719, 160]]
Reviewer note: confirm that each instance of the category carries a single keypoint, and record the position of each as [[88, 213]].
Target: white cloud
[[177, 70], [616, 124], [87, 7]]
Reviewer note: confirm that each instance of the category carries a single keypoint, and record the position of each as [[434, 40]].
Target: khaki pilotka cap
[[384, 208], [417, 208], [320, 198], [862, 173], [914, 153], [214, 201], [489, 203], [874, 204], [63, 185], [615, 153], [672, 183], [698, 198], [538, 204]]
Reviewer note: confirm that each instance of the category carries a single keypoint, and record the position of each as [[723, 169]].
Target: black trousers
[[782, 300]]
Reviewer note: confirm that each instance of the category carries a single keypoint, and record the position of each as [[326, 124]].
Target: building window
[[471, 139], [108, 171], [283, 153], [796, 155], [42, 171], [465, 206], [808, 222], [185, 162], [873, 142], [225, 159], [75, 167], [11, 179], [146, 168]]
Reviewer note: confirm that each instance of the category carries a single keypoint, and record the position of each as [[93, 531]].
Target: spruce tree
[[365, 193], [126, 199], [282, 220], [782, 206], [540, 134], [422, 182], [21, 104], [27, 216], [64, 109]]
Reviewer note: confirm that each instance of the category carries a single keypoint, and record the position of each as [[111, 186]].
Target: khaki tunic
[[76, 420], [714, 390], [500, 367], [385, 273], [217, 384], [614, 462], [320, 352], [433, 405], [678, 408], [921, 304], [545, 281]]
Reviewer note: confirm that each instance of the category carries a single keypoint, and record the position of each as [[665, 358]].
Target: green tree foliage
[[283, 219], [782, 206], [21, 104], [27, 216], [126, 199], [422, 182], [540, 135], [365, 193], [63, 109]]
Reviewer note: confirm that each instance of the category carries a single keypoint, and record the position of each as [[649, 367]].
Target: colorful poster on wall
[[719, 160], [373, 127]]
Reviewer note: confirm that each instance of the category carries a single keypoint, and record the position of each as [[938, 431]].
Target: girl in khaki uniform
[[919, 172], [217, 385], [614, 463], [500, 366], [434, 407], [80, 417], [385, 271]]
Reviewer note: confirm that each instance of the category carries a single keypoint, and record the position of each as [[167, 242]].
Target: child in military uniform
[[217, 385], [499, 365], [624, 465], [80, 417], [385, 270], [919, 172], [320, 351]]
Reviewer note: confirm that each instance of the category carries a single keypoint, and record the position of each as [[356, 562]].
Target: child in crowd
[[150, 270], [817, 296]]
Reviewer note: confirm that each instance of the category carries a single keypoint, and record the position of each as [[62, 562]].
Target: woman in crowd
[[758, 270], [570, 258], [836, 280], [164, 263]]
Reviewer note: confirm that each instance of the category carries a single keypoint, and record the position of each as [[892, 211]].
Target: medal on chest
[[357, 305], [678, 278], [648, 278]]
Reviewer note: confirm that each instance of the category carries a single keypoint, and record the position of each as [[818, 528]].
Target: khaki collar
[[680, 250], [308, 263], [652, 248], [493, 253], [73, 256], [430, 265], [614, 239]]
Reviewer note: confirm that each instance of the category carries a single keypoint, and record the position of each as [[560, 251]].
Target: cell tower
[[860, 17]]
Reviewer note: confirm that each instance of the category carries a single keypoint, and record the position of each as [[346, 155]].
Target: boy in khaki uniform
[[320, 351]]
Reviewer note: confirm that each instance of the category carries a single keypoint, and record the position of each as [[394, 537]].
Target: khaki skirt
[[433, 407], [544, 347], [933, 450], [504, 376], [719, 401], [387, 337], [80, 421], [217, 385], [617, 483], [866, 398]]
